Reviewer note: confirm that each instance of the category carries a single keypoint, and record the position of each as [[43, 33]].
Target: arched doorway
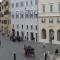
[[17, 33], [58, 35], [36, 37], [32, 36], [27, 36], [43, 34], [51, 35]]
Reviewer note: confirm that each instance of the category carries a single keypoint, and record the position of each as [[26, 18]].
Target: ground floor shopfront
[[26, 35], [49, 34], [49, 29]]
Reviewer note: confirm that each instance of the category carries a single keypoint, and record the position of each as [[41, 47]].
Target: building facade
[[24, 18], [49, 21], [0, 16], [5, 20]]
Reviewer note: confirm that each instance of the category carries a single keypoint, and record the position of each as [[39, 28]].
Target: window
[[12, 5], [51, 8], [43, 20], [0, 21], [6, 12], [9, 22], [58, 35], [12, 16], [59, 7], [13, 25], [5, 21], [43, 34], [50, 20], [31, 14], [7, 3], [27, 36], [35, 14], [58, 20], [31, 27], [51, 35], [43, 7], [22, 3], [17, 4], [17, 26], [17, 14], [36, 27], [22, 35], [17, 33], [21, 14], [36, 2], [26, 3], [26, 14], [27, 26], [31, 2], [0, 8], [22, 26]]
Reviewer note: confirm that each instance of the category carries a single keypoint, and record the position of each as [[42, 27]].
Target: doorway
[[36, 37], [32, 36]]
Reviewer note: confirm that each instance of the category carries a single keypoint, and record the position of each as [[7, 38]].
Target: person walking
[[14, 56], [56, 51], [45, 56], [0, 42]]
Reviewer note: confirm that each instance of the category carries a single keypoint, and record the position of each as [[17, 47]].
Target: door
[[32, 37], [36, 37]]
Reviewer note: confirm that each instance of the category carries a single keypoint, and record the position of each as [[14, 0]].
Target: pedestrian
[[14, 56], [45, 56], [0, 42], [56, 51]]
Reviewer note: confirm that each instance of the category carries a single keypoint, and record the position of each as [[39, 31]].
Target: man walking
[[0, 42], [45, 56], [14, 56]]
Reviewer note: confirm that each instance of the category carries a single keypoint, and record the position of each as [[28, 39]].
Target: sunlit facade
[[5, 17], [49, 21]]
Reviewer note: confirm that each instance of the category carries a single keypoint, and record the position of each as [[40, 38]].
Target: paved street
[[8, 47]]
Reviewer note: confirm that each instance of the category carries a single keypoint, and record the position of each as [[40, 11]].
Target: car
[[13, 38], [29, 51], [18, 38]]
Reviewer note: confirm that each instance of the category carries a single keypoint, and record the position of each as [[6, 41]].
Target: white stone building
[[24, 18], [49, 21]]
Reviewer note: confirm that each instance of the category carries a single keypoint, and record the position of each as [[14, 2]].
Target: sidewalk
[[58, 58]]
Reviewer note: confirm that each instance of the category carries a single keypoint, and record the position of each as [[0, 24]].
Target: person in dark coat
[[56, 51], [0, 42], [14, 56], [45, 56]]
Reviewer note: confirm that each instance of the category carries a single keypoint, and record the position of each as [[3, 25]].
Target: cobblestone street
[[8, 47]]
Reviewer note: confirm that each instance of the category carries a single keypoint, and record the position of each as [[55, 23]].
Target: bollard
[[14, 56]]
